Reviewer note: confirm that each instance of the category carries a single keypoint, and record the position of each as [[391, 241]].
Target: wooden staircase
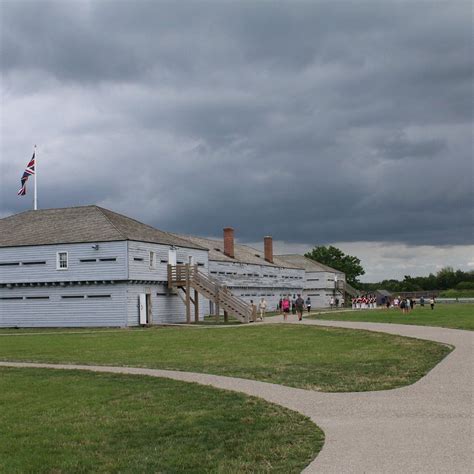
[[187, 277]]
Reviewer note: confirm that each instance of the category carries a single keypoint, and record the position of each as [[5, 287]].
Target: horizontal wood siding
[[252, 282], [76, 271], [140, 269], [257, 276], [166, 307], [59, 312]]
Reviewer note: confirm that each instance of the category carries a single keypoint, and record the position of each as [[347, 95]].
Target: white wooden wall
[[28, 271], [139, 255], [94, 309]]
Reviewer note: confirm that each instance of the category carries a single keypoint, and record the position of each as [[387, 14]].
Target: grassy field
[[64, 421], [327, 359], [457, 316]]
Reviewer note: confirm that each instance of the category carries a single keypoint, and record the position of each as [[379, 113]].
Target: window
[[12, 298], [61, 261], [9, 264], [200, 264], [72, 297], [138, 259], [152, 261], [42, 262], [87, 260], [37, 297], [98, 296], [163, 261], [108, 259]]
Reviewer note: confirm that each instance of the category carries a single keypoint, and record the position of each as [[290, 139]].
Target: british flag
[[29, 170]]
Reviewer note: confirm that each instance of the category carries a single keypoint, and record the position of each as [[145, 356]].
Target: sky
[[345, 122]]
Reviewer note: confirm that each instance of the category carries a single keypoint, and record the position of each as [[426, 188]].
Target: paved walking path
[[426, 427]]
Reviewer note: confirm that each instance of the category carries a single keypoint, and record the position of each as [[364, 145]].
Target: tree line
[[445, 279]]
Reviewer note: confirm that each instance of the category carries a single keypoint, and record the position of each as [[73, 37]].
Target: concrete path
[[426, 427]]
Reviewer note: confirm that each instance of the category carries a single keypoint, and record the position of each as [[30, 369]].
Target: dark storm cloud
[[315, 122]]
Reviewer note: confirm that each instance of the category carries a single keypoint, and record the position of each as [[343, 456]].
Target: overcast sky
[[345, 123]]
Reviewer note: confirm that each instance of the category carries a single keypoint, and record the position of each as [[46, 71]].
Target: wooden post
[[217, 306], [188, 295], [196, 306]]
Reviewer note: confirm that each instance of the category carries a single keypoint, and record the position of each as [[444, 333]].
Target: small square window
[[61, 261]]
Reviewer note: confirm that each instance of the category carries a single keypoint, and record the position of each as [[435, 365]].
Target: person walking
[[293, 306], [254, 311], [308, 304], [285, 306], [422, 301], [432, 302], [262, 307], [299, 303], [331, 302]]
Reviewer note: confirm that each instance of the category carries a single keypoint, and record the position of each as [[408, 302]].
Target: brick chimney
[[268, 248], [229, 241]]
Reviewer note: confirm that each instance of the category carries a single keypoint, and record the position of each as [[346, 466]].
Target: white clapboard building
[[321, 283], [88, 266], [250, 273]]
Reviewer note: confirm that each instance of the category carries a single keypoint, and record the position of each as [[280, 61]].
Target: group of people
[[364, 302], [407, 304], [335, 302], [296, 305]]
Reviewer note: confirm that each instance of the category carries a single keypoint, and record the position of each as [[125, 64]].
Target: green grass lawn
[[327, 359], [457, 316], [65, 421]]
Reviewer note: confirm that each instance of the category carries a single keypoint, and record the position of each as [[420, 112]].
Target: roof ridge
[[101, 210]]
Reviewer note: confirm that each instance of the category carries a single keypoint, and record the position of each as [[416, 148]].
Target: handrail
[[216, 291]]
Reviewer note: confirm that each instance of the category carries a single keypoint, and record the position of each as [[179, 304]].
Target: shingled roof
[[80, 224], [242, 253], [300, 261]]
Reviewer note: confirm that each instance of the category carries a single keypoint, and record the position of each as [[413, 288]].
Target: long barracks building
[[88, 266]]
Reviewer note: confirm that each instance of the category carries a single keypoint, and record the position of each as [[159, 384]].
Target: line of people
[[364, 302]]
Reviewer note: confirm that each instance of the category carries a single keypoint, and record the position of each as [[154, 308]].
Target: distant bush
[[455, 293], [465, 285]]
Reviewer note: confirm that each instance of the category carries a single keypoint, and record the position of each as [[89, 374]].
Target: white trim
[[58, 267]]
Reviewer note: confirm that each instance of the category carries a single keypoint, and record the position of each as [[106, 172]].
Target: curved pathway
[[426, 427]]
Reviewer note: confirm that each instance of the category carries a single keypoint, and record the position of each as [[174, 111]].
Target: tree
[[336, 258]]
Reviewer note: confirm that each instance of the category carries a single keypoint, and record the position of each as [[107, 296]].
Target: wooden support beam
[[217, 306], [188, 295], [196, 306], [181, 296], [226, 316]]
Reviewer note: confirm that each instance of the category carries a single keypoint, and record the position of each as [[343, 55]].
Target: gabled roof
[[242, 253], [79, 224], [305, 263]]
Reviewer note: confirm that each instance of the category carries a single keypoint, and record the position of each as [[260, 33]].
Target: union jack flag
[[29, 170]]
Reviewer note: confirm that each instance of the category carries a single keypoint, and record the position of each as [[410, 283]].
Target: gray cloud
[[315, 122]]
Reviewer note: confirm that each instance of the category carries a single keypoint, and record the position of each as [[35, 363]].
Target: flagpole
[[35, 200]]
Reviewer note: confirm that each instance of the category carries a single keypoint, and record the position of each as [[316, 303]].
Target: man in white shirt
[[262, 307]]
